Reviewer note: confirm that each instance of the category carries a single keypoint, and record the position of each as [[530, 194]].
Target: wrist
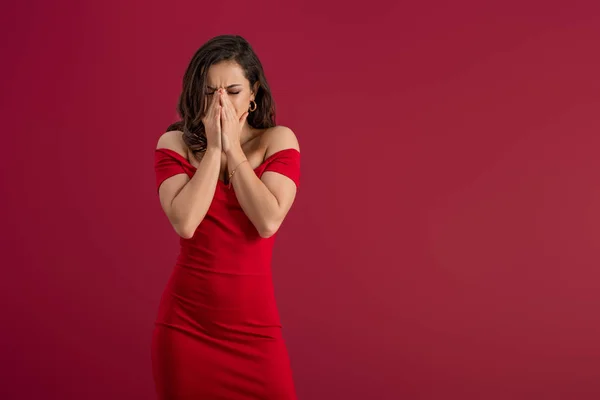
[[213, 147], [235, 152], [213, 152]]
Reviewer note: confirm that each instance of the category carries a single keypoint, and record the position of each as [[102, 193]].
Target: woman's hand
[[212, 123], [231, 125]]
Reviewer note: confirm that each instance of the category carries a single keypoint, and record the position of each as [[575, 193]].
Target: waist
[[212, 290], [234, 259]]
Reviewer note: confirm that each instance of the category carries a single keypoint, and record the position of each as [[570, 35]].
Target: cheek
[[239, 103]]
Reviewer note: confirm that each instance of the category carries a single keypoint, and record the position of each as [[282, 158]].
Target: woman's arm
[[265, 201], [186, 201]]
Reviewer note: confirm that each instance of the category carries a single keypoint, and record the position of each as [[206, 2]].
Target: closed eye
[[211, 93]]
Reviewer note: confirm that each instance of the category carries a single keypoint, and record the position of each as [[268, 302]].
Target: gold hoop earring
[[255, 106]]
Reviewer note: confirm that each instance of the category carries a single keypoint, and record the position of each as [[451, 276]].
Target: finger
[[221, 98], [226, 106], [223, 113], [209, 107], [244, 117], [230, 109], [218, 105], [215, 101], [224, 101]]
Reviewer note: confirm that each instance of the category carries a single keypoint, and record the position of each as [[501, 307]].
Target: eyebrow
[[228, 87]]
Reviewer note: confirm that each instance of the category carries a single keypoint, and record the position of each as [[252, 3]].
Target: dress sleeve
[[166, 165], [285, 162]]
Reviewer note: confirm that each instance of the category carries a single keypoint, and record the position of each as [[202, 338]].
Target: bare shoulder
[[172, 140], [280, 138]]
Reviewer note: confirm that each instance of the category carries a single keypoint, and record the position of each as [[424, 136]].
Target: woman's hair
[[191, 101]]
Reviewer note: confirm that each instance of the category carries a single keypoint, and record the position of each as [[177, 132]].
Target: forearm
[[257, 201], [191, 204]]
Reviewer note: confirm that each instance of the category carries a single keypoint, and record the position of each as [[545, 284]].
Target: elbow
[[186, 234], [185, 231], [266, 234], [268, 230]]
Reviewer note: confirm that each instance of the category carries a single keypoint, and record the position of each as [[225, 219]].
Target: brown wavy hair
[[191, 101]]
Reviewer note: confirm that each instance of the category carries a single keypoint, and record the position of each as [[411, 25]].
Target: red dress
[[218, 334]]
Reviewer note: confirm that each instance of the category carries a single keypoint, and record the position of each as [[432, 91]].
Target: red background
[[445, 241]]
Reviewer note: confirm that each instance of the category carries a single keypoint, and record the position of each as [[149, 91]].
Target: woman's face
[[229, 76]]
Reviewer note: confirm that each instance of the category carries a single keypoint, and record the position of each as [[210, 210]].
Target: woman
[[226, 177]]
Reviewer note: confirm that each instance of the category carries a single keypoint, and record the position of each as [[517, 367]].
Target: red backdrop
[[444, 244]]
